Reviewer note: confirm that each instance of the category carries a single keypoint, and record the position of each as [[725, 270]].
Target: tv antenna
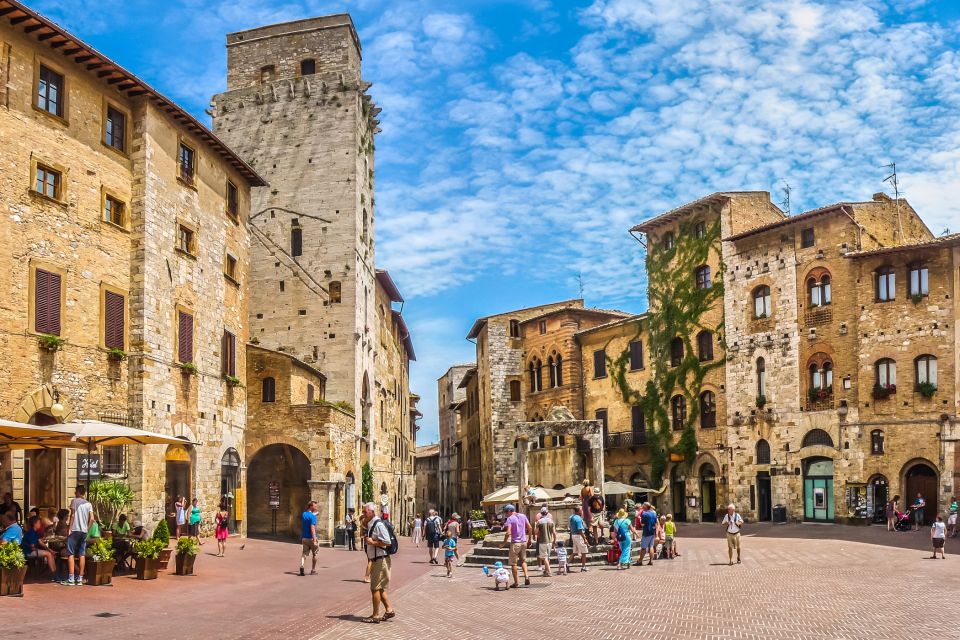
[[895, 183], [785, 203], [580, 284]]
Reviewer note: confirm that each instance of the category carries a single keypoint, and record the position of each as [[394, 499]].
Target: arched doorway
[[818, 489], [708, 493], [350, 492], [678, 491], [278, 490], [43, 471], [921, 477], [230, 482], [877, 496], [179, 470]]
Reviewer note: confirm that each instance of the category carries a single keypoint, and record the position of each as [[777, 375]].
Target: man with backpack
[[432, 527], [647, 522], [381, 544]]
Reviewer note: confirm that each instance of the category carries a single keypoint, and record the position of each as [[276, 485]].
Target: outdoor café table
[[55, 543]]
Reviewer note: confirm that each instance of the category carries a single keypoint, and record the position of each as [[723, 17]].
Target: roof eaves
[[389, 286], [800, 217], [936, 243]]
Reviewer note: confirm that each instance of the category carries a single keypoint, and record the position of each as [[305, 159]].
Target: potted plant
[[927, 389], [761, 400], [116, 355], [883, 391], [148, 558], [232, 381], [162, 535], [49, 342], [188, 368], [13, 568], [187, 549], [100, 564], [109, 498]]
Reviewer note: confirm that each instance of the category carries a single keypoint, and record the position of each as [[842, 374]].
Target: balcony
[[625, 439]]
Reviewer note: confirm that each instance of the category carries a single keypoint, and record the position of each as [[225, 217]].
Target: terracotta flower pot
[[100, 573], [147, 568], [165, 558], [11, 581], [185, 564]]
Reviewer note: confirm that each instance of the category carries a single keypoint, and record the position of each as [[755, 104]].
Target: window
[[638, 424], [46, 302], [700, 229], [600, 363], [228, 354], [761, 378], [705, 346], [308, 67], [230, 267], [184, 337], [763, 452], [186, 239], [267, 73], [296, 242], [919, 281], [555, 364], [876, 442], [601, 416], [636, 355], [233, 200], [678, 411], [676, 352], [514, 391], [807, 239], [886, 374], [49, 182], [542, 325], [817, 437], [818, 291], [708, 410], [514, 328], [310, 393], [268, 390], [926, 367], [536, 375], [114, 460], [113, 320], [702, 274], [669, 242], [334, 289], [187, 164], [50, 94], [114, 211], [762, 302], [821, 376], [115, 130], [886, 284]]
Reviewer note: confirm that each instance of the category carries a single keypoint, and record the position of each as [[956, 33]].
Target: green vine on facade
[[678, 309], [366, 489]]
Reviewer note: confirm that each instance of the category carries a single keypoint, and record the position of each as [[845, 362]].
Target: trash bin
[[340, 536], [780, 513]]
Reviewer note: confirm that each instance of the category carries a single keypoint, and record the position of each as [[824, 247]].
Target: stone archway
[[921, 476], [45, 473], [278, 488]]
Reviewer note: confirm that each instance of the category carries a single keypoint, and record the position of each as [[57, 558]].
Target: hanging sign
[[274, 491], [88, 464]]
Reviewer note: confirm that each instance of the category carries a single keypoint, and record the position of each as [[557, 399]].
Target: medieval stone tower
[[296, 108]]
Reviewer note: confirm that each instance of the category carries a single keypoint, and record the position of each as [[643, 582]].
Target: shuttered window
[[47, 302], [228, 350], [113, 325], [185, 337]]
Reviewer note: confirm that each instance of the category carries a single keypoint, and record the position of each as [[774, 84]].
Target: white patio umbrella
[[612, 488], [510, 493], [11, 431]]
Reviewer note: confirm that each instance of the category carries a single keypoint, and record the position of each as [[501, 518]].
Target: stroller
[[903, 521]]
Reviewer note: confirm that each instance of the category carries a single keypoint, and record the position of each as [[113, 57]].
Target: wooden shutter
[[185, 337], [113, 327], [47, 302], [228, 351]]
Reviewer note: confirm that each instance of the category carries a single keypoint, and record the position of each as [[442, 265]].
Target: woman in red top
[[222, 531]]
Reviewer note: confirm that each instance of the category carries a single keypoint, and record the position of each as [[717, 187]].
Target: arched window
[[876, 442], [708, 410], [669, 242], [555, 364], [700, 229], [705, 346], [763, 452], [296, 242], [676, 352], [817, 437], [702, 275], [761, 302], [536, 374], [820, 381], [926, 368], [308, 67], [886, 374], [335, 291], [919, 280], [515, 391], [886, 284], [761, 378], [818, 291], [268, 390], [678, 411]]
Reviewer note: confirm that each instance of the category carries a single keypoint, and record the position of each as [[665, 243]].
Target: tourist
[[500, 576], [670, 535], [11, 532], [623, 531], [450, 552], [350, 529], [545, 535], [222, 530], [62, 529], [49, 521], [952, 517], [647, 524], [732, 522], [938, 534], [123, 525], [81, 517], [363, 543], [432, 528], [417, 530], [308, 537], [33, 546], [918, 506], [578, 536], [13, 507], [193, 521], [660, 539], [630, 506], [586, 495], [378, 540], [453, 524], [518, 530], [562, 567], [893, 506], [181, 508]]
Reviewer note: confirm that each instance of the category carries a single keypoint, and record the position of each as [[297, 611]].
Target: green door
[[818, 490]]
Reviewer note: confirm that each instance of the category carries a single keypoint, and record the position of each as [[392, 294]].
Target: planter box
[[11, 581], [165, 558], [185, 564], [100, 573], [147, 568]]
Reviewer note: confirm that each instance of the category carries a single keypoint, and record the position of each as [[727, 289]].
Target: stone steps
[[489, 552]]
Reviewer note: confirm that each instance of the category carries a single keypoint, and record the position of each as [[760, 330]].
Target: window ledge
[[185, 254], [637, 369], [233, 217], [190, 184], [43, 196], [113, 225], [603, 377], [60, 119], [231, 280], [120, 152]]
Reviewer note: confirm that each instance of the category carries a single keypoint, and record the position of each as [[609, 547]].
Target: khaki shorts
[[380, 574], [733, 541], [518, 553], [543, 550], [309, 546], [579, 545]]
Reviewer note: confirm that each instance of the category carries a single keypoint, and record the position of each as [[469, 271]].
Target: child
[[500, 576], [562, 558], [938, 534], [450, 552], [670, 532]]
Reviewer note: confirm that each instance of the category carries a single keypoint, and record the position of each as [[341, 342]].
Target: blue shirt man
[[576, 524], [12, 533], [308, 536], [309, 523]]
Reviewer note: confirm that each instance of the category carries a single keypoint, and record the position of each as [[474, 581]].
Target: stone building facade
[[450, 398], [427, 466], [125, 220]]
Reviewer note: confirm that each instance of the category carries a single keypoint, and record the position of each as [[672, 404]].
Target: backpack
[[621, 533], [394, 543], [432, 529]]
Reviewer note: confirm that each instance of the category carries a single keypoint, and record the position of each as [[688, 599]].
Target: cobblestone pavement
[[786, 588]]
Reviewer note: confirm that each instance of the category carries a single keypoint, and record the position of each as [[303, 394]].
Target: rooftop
[[293, 359], [389, 286], [682, 210], [614, 323], [478, 324], [949, 240], [427, 450]]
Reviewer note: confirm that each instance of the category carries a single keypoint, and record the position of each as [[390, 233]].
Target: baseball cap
[[509, 507]]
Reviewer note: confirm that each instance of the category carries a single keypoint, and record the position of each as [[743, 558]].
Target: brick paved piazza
[[796, 582]]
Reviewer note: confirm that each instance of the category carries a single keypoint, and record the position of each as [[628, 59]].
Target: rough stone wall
[[450, 432], [469, 492], [426, 466]]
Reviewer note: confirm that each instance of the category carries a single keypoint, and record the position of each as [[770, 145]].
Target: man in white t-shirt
[[938, 535], [732, 523], [81, 517]]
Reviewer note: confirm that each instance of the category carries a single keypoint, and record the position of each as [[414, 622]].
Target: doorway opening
[[708, 493], [818, 490], [764, 497]]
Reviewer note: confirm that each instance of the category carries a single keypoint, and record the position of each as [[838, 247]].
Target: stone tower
[[296, 109]]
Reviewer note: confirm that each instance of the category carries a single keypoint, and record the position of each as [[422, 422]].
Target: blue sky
[[522, 139]]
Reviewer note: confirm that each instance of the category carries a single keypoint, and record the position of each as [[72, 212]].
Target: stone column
[[324, 493], [596, 451], [523, 451]]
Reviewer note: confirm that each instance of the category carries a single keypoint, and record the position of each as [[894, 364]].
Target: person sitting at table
[[139, 531], [123, 526], [33, 546], [12, 533], [49, 521], [62, 528]]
